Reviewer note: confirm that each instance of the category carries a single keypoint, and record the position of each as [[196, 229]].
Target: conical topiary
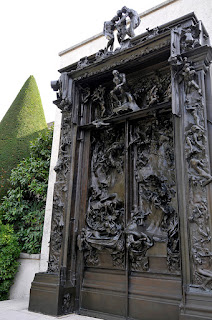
[[20, 125]]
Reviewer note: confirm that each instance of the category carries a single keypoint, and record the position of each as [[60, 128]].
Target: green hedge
[[9, 253], [20, 125], [24, 205]]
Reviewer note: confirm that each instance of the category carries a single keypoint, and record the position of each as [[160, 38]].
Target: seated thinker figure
[[122, 99]]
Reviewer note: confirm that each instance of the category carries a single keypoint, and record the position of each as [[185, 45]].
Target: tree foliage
[[24, 205], [9, 253]]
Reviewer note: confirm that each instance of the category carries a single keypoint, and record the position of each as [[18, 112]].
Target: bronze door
[[129, 241], [131, 216]]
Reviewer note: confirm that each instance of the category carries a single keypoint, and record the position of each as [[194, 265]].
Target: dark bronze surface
[[131, 226]]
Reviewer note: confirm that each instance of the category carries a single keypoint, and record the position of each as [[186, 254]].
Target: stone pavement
[[18, 310]]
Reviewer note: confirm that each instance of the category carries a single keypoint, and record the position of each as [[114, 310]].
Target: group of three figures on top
[[119, 23]]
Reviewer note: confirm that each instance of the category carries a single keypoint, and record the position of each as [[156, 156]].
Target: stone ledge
[[29, 256]]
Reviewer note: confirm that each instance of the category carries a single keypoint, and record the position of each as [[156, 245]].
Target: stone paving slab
[[18, 310]]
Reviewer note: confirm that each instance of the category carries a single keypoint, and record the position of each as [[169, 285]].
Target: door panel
[[130, 240], [152, 232], [102, 236], [104, 291]]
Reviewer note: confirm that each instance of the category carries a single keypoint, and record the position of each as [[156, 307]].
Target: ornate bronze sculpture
[[121, 97], [119, 23], [131, 222]]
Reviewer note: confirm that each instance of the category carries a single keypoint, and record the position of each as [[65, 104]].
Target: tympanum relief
[[124, 95], [152, 89]]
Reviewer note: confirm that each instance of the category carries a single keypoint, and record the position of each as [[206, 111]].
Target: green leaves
[[24, 204], [9, 253], [22, 209]]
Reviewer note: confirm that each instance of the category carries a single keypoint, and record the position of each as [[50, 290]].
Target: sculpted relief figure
[[189, 75], [119, 23], [104, 217], [108, 31], [122, 99], [121, 26], [199, 167], [195, 139], [119, 94], [137, 241], [98, 96], [190, 37], [134, 20]]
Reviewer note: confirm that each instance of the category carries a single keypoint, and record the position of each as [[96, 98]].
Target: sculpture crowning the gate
[[131, 225]]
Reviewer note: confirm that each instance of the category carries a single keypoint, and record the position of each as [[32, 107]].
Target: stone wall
[[29, 265]]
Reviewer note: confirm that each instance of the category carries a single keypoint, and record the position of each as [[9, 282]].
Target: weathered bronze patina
[[131, 225]]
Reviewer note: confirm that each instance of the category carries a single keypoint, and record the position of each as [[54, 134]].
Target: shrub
[[20, 125], [24, 204], [9, 253]]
